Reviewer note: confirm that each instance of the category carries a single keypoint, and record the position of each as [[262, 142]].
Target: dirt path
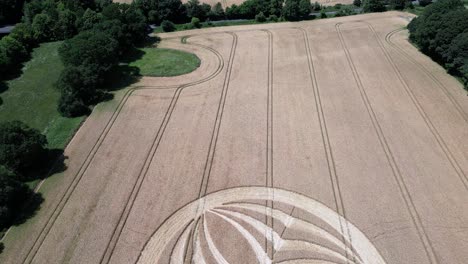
[[330, 140]]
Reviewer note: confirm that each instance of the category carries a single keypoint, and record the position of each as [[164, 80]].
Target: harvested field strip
[[429, 124], [123, 218], [390, 157], [76, 179], [269, 149], [218, 120], [326, 143], [141, 176], [404, 54]]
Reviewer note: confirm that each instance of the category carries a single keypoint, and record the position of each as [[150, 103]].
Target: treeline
[[168, 12], [158, 11], [441, 32]]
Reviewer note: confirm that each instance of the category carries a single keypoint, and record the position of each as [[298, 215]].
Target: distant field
[[226, 3], [32, 98]]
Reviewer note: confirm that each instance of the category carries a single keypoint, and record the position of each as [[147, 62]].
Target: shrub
[[273, 18], [13, 53], [71, 106], [260, 17], [323, 14], [357, 3], [167, 26], [42, 26], [24, 34], [196, 22]]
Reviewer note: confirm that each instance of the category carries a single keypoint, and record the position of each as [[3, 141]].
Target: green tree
[[23, 33], [275, 7], [167, 26], [172, 10], [22, 149], [305, 7], [424, 28], [196, 22], [134, 24], [90, 48], [65, 26], [153, 17], [453, 24], [14, 50], [273, 18], [116, 30], [31, 9], [357, 3], [441, 32], [112, 11], [13, 194], [89, 19], [42, 27], [373, 6], [233, 11], [457, 53], [12, 55], [260, 17], [195, 9], [217, 12], [291, 10]]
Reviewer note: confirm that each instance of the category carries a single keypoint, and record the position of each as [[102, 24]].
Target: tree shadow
[[52, 162], [56, 164], [122, 76], [3, 86], [132, 55], [152, 41], [30, 208]]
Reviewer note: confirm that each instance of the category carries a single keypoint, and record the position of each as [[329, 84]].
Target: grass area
[[32, 98], [160, 62], [188, 26]]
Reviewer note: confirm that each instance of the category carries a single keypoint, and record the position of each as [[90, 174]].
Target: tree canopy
[[22, 148], [441, 32]]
